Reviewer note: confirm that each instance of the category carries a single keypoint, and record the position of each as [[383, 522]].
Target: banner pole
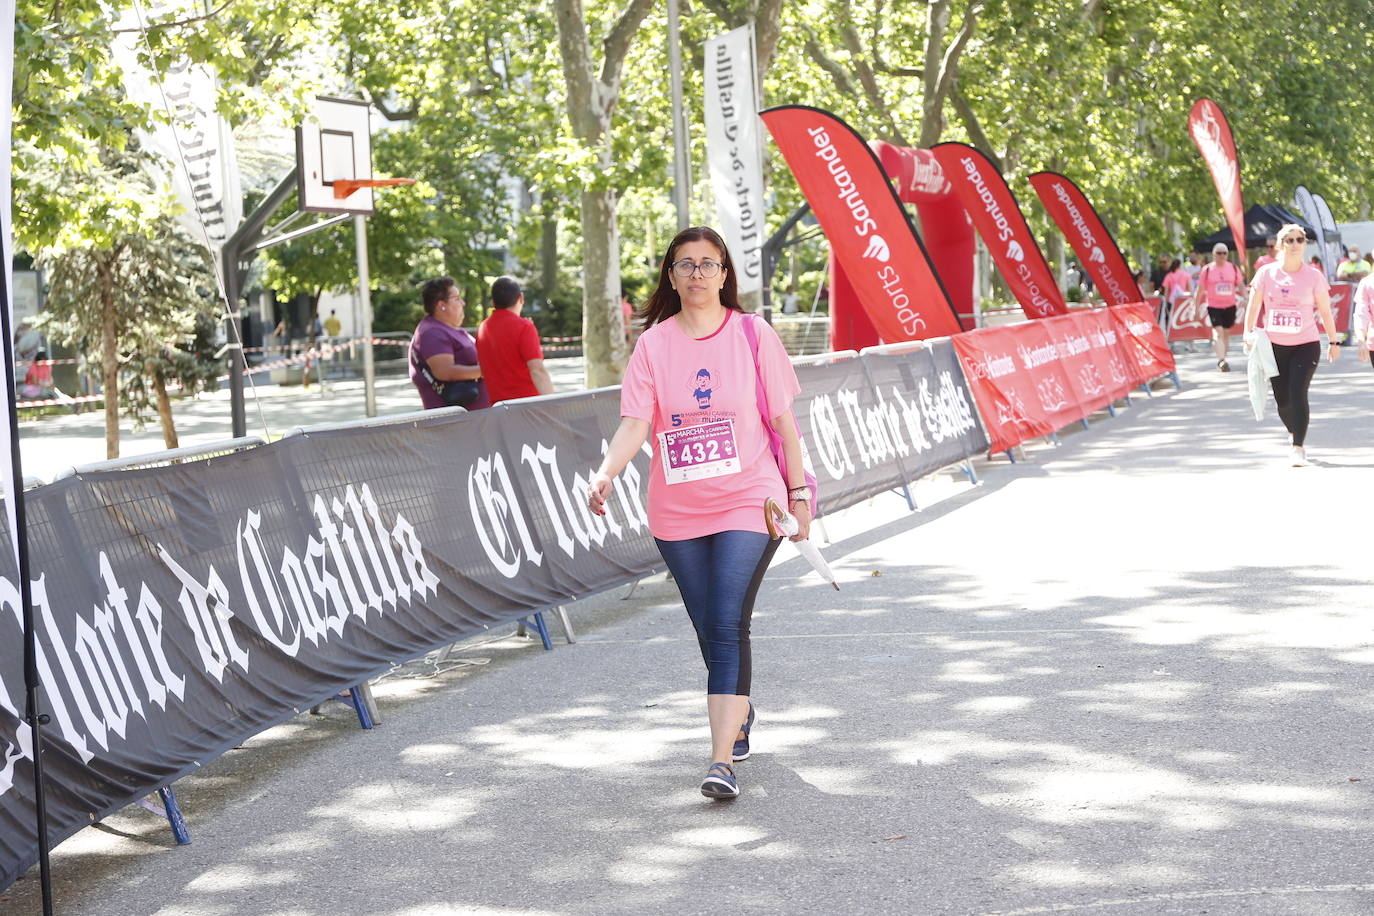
[[21, 545]]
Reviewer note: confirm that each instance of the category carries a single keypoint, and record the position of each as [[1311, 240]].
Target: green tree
[[132, 290]]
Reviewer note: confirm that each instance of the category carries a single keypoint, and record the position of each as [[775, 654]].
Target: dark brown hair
[[663, 303], [435, 291]]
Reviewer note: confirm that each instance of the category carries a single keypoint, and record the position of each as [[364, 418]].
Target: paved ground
[[1132, 675]]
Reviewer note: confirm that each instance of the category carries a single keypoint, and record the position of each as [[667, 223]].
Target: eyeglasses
[[1295, 240], [686, 268]]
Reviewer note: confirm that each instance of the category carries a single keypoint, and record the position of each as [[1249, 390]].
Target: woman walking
[[691, 382], [1292, 294], [1364, 318]]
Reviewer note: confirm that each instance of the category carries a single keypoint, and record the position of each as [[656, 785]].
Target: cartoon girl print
[[703, 383]]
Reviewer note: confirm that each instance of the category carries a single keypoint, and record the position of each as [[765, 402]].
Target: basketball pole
[[365, 307]]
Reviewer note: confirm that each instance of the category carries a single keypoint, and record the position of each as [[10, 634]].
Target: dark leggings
[[1297, 364], [718, 576]]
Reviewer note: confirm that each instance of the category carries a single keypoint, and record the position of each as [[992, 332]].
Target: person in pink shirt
[[690, 384], [1271, 253], [1176, 286], [1292, 294], [1219, 284], [1364, 318]]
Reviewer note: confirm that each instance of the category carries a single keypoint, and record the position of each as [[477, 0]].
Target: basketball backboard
[[334, 145]]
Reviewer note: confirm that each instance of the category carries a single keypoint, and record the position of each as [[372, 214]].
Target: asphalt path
[[1133, 673]]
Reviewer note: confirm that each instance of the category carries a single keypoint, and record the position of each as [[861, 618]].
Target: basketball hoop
[[343, 187]]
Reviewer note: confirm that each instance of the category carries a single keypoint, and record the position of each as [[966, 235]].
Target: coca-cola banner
[[1088, 236], [183, 609], [998, 219], [868, 230], [1208, 127], [1189, 322]]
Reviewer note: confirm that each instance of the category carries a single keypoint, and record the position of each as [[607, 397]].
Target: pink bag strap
[[751, 334]]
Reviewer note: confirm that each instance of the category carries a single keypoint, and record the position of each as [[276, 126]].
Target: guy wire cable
[[215, 259]]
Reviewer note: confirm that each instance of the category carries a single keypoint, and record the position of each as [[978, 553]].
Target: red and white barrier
[[1033, 379]]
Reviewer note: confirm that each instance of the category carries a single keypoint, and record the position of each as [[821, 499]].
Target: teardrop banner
[[869, 232], [1208, 127], [1088, 236], [998, 219]]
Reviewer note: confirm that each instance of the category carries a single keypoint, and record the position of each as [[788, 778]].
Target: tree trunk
[[109, 359], [164, 411], [933, 116], [603, 329]]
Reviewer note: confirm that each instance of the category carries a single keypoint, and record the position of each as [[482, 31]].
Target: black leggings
[[1297, 364]]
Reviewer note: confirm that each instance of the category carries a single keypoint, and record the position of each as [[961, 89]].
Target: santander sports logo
[[1206, 133], [877, 249], [1096, 256], [1015, 251]]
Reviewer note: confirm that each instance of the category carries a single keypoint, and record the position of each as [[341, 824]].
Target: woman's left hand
[[801, 511], [1333, 351]]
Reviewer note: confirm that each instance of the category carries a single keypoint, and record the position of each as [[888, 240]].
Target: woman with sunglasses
[[1292, 294], [691, 382]]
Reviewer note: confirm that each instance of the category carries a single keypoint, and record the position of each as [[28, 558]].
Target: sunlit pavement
[[1132, 674]]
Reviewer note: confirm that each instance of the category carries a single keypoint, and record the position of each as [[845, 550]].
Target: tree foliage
[[512, 128]]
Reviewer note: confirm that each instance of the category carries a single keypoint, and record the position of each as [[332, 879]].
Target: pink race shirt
[[1219, 284], [1290, 302], [1177, 284], [698, 397], [1364, 311]]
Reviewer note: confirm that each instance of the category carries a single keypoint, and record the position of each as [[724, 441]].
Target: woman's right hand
[[598, 491]]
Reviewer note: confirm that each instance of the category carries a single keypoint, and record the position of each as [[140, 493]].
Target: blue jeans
[[718, 576]]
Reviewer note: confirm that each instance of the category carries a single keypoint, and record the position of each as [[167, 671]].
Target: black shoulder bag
[[454, 394]]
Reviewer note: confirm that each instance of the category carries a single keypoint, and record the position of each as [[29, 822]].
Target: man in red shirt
[[508, 347]]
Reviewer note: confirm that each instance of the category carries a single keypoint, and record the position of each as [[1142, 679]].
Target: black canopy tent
[[1261, 221]]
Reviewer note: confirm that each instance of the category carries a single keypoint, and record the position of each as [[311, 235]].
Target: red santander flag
[[868, 230], [1088, 236], [997, 217], [1208, 127]]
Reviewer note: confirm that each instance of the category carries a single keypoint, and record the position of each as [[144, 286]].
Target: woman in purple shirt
[[442, 346]]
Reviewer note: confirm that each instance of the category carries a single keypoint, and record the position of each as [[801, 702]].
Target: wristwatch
[[799, 495]]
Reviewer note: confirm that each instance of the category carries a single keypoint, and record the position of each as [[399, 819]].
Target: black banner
[[183, 609], [876, 422]]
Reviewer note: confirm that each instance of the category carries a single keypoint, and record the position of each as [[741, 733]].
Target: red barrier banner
[[1108, 354], [863, 219], [1017, 382], [1034, 378], [1088, 236], [1091, 391], [1342, 305], [1147, 352], [998, 219], [1208, 127]]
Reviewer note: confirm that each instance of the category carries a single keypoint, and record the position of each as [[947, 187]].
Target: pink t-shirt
[[1290, 302], [1177, 284], [698, 396], [1364, 311], [1263, 260], [1219, 284]]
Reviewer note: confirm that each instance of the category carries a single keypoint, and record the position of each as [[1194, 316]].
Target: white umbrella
[[783, 524]]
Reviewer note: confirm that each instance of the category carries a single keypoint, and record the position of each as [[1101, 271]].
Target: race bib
[[1224, 289], [1285, 320], [695, 452]]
